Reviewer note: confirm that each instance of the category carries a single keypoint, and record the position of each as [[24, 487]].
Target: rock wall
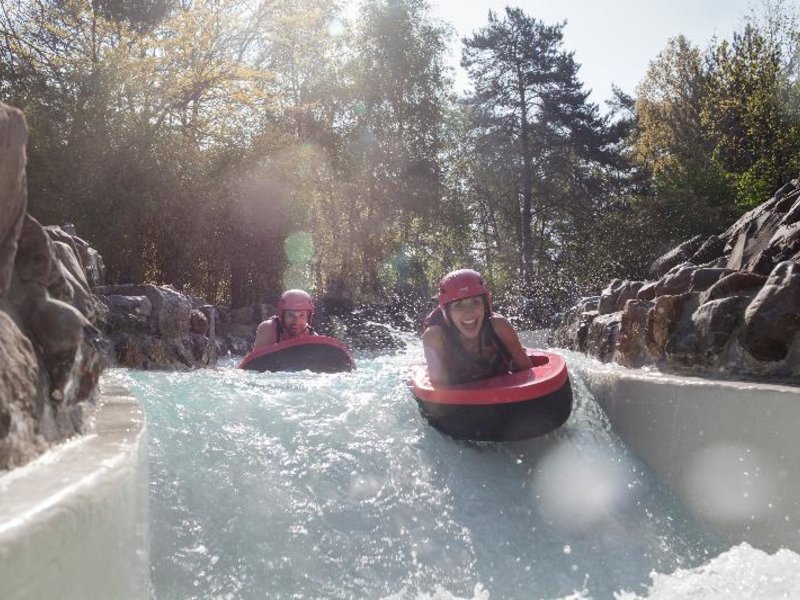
[[729, 303], [156, 327], [50, 350]]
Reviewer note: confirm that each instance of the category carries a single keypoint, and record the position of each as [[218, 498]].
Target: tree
[[529, 105], [393, 134], [751, 113], [690, 193], [133, 118]]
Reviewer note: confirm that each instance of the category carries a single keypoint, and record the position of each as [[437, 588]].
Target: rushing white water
[[296, 485]]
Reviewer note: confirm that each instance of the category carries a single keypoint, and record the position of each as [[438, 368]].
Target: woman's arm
[[505, 331], [433, 345]]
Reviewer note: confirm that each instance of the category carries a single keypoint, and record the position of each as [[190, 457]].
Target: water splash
[[307, 486]]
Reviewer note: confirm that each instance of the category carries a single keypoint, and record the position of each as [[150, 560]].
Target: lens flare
[[299, 247], [578, 490], [730, 483]]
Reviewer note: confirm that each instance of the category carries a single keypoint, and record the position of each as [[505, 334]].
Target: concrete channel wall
[[74, 523], [729, 450]]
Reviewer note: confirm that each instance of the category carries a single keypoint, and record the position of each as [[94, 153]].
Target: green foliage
[[539, 149], [237, 147], [392, 169], [717, 133], [750, 114], [754, 184]]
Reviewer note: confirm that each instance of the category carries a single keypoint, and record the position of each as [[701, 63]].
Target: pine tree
[[526, 90]]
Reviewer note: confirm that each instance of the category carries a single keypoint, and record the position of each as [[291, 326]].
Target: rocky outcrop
[[50, 351], [13, 190], [156, 327], [19, 441], [772, 318], [727, 303]]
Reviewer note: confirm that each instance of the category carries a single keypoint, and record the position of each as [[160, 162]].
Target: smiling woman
[[463, 339]]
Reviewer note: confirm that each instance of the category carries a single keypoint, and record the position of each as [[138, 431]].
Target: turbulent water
[[296, 485]]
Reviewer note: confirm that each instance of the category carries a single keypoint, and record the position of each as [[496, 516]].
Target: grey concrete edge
[[74, 522], [689, 429]]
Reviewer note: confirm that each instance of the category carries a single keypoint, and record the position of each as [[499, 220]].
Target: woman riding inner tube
[[464, 340], [295, 310]]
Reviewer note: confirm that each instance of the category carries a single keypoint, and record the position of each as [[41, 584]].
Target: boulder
[[601, 339], [712, 325], [711, 250], [647, 291], [632, 342], [198, 322], [785, 243], [36, 261], [588, 304], [564, 334], [736, 283], [676, 281], [614, 297], [662, 318], [703, 278], [136, 305], [585, 320], [13, 189], [51, 355], [170, 312], [608, 297], [676, 256], [772, 319], [728, 302], [19, 441], [77, 294], [58, 329], [748, 240], [129, 314], [68, 256], [210, 313]]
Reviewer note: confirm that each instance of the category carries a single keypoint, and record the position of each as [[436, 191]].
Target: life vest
[[463, 367], [280, 329]]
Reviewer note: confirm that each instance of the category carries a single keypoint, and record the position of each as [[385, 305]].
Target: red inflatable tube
[[509, 407], [318, 353]]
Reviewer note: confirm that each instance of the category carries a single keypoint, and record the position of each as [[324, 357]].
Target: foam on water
[[741, 572], [295, 485]]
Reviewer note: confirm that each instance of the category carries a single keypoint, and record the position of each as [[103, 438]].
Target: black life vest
[[463, 367]]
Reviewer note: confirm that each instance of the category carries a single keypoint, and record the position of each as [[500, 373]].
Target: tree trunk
[[526, 181]]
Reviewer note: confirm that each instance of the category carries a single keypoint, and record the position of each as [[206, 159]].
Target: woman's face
[[295, 321], [467, 315]]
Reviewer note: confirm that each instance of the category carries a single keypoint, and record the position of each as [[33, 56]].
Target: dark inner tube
[[319, 358]]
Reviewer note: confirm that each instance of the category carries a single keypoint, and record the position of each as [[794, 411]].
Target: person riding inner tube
[[464, 340], [295, 311]]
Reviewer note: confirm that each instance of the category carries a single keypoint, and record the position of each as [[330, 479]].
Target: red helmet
[[460, 284], [296, 300]]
